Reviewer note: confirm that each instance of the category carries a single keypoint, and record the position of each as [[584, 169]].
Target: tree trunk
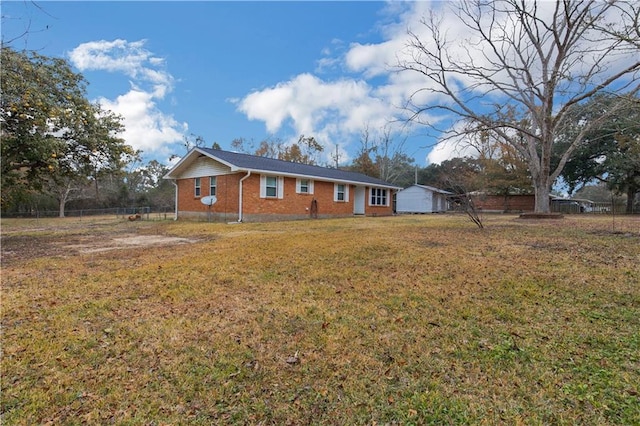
[[63, 196], [542, 191], [61, 205], [631, 196]]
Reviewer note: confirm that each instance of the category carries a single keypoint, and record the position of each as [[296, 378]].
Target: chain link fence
[[574, 206], [146, 213]]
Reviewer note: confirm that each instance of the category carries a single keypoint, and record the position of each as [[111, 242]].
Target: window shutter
[[298, 186], [263, 186], [310, 187], [280, 187], [346, 192]]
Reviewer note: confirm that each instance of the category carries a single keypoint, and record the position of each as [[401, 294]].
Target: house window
[[271, 186], [212, 185], [197, 187], [304, 186], [378, 197], [340, 192]]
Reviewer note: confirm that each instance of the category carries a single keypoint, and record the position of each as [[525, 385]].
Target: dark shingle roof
[[264, 164]]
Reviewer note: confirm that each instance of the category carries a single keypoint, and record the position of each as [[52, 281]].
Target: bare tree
[[363, 163], [392, 161], [305, 151], [24, 19], [520, 67], [463, 201], [336, 157], [193, 141]]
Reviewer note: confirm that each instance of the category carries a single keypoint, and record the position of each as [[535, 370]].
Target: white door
[[359, 200]]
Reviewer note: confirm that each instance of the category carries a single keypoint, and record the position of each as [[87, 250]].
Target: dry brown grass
[[407, 320]]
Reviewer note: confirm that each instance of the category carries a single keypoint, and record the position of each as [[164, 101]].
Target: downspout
[[175, 215], [240, 196]]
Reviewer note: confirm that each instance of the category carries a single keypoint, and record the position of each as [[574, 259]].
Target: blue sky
[[225, 70], [259, 70]]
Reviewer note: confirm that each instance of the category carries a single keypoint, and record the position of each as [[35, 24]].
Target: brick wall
[[226, 192], [511, 203], [291, 206]]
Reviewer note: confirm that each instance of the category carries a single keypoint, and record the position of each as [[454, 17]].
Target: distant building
[[574, 205], [422, 199], [517, 203]]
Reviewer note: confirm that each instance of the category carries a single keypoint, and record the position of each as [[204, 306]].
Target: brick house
[[255, 189]]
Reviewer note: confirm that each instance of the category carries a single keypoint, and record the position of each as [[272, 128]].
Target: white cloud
[[449, 148], [336, 111], [373, 59], [339, 109], [312, 106], [147, 128], [129, 58]]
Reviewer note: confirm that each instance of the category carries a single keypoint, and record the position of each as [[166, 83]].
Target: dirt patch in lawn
[[16, 247], [129, 241]]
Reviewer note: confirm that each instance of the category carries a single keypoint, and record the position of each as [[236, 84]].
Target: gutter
[[240, 197], [175, 214]]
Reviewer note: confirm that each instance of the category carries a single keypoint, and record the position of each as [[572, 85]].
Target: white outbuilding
[[422, 199]]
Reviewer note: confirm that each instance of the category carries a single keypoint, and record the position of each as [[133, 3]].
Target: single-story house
[[219, 185], [422, 199]]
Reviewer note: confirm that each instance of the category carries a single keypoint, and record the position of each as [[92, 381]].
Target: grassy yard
[[400, 320]]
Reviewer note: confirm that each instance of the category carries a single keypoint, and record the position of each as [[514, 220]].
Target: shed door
[[359, 200]]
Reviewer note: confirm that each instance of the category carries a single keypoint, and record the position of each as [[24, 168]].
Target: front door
[[359, 200]]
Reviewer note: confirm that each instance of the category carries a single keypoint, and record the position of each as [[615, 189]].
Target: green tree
[[503, 170], [598, 192], [38, 95], [454, 175], [520, 69], [609, 153], [144, 185], [53, 139], [399, 168], [501, 176], [91, 149]]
